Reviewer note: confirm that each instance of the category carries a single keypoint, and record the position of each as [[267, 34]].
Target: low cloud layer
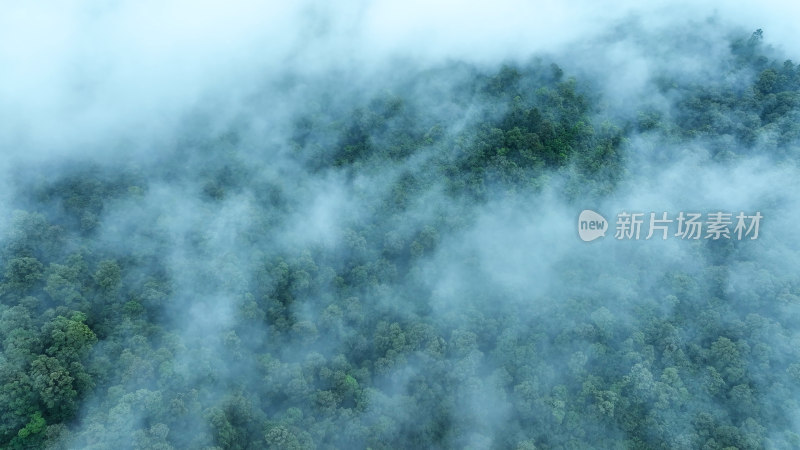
[[326, 233]]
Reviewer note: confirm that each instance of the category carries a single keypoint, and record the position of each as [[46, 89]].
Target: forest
[[396, 265]]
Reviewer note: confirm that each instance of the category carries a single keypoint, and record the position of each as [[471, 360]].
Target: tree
[[54, 386], [22, 274]]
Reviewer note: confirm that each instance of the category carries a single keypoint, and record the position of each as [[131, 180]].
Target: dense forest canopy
[[394, 264]]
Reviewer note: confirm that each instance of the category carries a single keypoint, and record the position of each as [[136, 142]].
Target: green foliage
[[22, 273], [353, 344]]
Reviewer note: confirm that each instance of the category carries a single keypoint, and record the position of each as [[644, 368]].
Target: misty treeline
[[242, 293]]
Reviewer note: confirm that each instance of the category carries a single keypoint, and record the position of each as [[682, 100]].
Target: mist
[[264, 225]]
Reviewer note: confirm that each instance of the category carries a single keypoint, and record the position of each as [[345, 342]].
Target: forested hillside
[[397, 267]]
